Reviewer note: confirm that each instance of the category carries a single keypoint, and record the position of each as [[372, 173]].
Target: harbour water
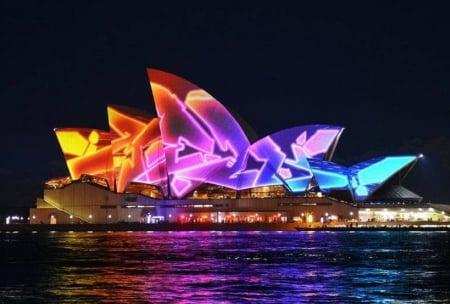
[[225, 267]]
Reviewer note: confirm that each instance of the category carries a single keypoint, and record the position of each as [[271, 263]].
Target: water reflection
[[225, 267]]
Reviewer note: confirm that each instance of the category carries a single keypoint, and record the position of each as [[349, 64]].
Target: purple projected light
[[203, 143], [194, 140], [297, 145], [313, 140], [201, 138]]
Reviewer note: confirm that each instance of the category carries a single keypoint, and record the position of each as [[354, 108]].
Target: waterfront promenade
[[365, 226], [152, 227]]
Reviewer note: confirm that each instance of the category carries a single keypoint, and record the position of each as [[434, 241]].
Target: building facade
[[196, 162]]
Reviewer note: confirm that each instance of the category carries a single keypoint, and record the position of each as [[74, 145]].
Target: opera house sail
[[194, 160]]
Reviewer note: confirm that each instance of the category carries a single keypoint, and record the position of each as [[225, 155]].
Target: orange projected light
[[131, 152], [135, 137], [87, 151], [194, 141]]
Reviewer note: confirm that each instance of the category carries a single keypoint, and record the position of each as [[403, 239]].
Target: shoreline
[[377, 228], [208, 227], [149, 227]]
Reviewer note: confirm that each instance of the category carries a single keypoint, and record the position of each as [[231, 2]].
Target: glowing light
[[330, 180], [361, 191], [195, 140]]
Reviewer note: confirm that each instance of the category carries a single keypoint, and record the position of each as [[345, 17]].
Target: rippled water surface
[[225, 267]]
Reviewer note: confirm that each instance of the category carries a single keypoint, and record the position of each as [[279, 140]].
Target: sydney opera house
[[194, 161]]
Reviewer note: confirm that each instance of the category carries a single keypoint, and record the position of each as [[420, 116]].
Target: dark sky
[[380, 69]]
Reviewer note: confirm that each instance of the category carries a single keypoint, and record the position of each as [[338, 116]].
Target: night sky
[[380, 69]]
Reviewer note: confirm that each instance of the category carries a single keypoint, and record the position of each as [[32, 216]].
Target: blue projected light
[[330, 180], [368, 175], [361, 191], [382, 170], [194, 141], [329, 176], [298, 184], [362, 179], [313, 140]]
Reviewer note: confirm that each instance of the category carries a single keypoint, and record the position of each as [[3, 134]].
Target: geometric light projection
[[87, 151], [136, 148], [193, 139], [367, 176], [329, 176], [202, 141]]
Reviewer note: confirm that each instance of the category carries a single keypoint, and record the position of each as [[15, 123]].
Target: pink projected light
[[203, 143], [194, 140], [135, 148]]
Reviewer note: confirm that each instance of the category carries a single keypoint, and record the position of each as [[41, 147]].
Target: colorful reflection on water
[[225, 267]]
